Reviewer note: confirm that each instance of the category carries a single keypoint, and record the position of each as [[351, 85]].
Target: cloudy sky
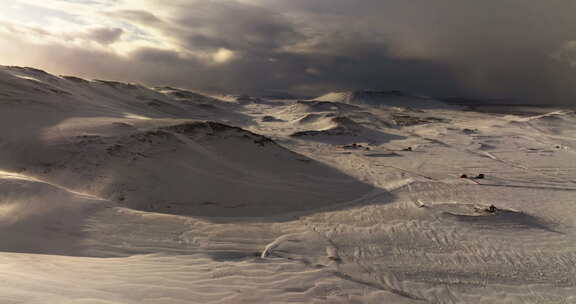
[[522, 50]]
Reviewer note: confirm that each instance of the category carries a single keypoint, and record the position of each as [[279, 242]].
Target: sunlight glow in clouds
[[223, 56]]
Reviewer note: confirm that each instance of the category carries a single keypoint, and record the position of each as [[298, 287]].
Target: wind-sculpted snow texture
[[118, 193]]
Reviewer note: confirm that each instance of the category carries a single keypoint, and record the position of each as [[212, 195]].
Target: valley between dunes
[[119, 193]]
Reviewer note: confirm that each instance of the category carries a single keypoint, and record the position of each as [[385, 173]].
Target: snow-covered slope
[[187, 168], [166, 164], [119, 193], [40, 217], [37, 89], [382, 98], [340, 130]]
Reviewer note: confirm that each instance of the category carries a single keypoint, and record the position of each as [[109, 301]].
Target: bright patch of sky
[[69, 21], [25, 13]]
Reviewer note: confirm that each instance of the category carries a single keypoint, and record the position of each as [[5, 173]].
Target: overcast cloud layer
[[522, 50]]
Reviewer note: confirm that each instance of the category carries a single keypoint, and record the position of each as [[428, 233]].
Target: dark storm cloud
[[219, 24], [498, 49], [520, 50], [490, 49], [234, 25], [278, 51], [105, 35]]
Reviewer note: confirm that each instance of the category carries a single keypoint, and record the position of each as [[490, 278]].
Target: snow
[[118, 193], [383, 98]]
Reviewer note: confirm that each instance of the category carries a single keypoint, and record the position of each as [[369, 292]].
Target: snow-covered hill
[[383, 98], [119, 193]]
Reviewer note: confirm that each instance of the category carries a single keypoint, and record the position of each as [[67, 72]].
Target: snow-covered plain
[[118, 193]]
